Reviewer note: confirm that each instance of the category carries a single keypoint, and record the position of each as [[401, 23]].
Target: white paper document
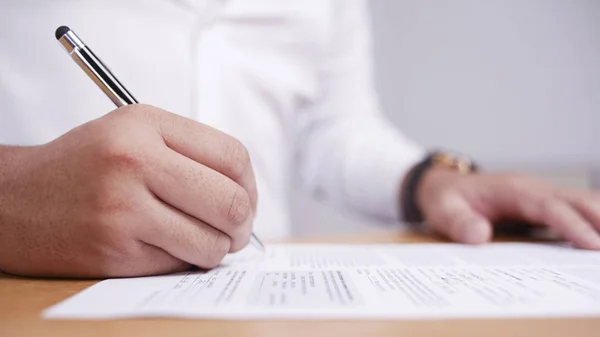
[[408, 281]]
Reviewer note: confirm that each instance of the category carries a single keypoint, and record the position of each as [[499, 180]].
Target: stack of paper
[[409, 281]]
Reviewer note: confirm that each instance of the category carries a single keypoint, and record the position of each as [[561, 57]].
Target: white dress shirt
[[291, 79]]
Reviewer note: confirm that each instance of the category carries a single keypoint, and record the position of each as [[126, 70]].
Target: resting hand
[[464, 206]]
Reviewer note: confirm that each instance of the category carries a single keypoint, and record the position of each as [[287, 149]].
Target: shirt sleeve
[[346, 152]]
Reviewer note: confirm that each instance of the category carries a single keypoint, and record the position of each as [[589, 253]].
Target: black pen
[[104, 79]]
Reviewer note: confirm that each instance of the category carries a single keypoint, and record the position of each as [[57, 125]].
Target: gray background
[[515, 84]]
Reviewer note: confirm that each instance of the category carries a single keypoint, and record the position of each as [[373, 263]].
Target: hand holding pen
[[106, 81], [139, 191]]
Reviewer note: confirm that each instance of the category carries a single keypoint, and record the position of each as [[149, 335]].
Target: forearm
[[359, 166], [346, 151]]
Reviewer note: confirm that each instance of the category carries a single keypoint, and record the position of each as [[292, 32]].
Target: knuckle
[[141, 111], [218, 248], [235, 160], [126, 111], [547, 208], [116, 152], [137, 115], [107, 203], [242, 241], [125, 139], [239, 208], [581, 201], [110, 200], [514, 181]]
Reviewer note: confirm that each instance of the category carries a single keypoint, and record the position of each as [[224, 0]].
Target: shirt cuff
[[377, 162]]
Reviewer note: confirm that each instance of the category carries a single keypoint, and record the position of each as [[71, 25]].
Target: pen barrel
[[102, 76]]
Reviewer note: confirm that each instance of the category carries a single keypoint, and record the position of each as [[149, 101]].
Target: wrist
[[427, 177]]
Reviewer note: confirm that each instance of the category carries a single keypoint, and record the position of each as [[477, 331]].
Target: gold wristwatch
[[454, 162]]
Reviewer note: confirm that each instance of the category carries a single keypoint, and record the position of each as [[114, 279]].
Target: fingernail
[[476, 233], [592, 241]]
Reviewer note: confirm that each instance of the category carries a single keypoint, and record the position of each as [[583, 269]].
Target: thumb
[[453, 217]]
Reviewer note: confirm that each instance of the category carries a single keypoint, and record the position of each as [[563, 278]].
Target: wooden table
[[22, 300]]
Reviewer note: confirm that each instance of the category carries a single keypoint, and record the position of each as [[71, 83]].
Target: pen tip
[[60, 31], [257, 243]]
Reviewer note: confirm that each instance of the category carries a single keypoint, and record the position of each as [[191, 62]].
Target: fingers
[[462, 215], [203, 194], [183, 236], [148, 260], [587, 203], [209, 147], [588, 206], [454, 217], [564, 219], [565, 212], [569, 224]]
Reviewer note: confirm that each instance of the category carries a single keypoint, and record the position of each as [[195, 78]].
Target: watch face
[[454, 162]]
